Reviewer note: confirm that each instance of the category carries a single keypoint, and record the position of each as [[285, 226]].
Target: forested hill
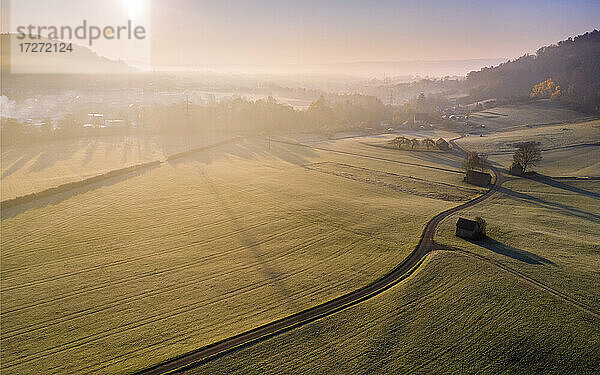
[[568, 72]]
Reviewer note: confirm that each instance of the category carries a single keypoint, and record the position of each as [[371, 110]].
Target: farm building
[[516, 169], [478, 178], [468, 229], [442, 144]]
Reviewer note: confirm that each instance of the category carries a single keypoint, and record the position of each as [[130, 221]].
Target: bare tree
[[414, 143], [528, 154], [473, 160], [429, 143]]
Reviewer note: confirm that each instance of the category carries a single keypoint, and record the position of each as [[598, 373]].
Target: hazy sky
[[311, 31], [269, 32]]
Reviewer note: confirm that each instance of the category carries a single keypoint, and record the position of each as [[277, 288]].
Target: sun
[[134, 8]]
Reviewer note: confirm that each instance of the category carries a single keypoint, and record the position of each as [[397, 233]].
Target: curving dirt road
[[426, 244]]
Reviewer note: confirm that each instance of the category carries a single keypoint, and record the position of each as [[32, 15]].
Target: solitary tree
[[527, 154], [473, 160]]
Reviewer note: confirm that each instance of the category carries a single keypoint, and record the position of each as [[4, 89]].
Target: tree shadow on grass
[[254, 149], [57, 198], [559, 207], [512, 252], [20, 163], [561, 185], [253, 246]]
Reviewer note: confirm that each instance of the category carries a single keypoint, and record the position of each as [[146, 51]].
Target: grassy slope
[[551, 234], [194, 251], [549, 137], [461, 314], [454, 315], [542, 112], [31, 168], [581, 161], [577, 161]]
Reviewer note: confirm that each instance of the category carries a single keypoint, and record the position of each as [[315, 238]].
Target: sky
[[314, 32], [283, 32]]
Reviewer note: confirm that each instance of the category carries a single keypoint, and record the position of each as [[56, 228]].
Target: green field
[[465, 313], [456, 314], [550, 233], [128, 273], [133, 271]]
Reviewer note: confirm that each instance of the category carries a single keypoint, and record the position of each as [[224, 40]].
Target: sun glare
[[134, 8]]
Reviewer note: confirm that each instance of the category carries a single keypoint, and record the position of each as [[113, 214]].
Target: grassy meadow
[[131, 272], [567, 149], [548, 232], [541, 112], [31, 168], [548, 137], [456, 314], [474, 309]]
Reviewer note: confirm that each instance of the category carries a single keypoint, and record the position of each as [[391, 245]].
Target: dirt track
[[426, 244]]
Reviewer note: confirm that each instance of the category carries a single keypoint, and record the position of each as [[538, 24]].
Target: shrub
[[482, 227]]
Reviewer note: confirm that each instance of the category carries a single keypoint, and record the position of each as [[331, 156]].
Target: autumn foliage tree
[[547, 89]]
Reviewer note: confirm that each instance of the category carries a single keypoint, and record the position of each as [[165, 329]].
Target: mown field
[[455, 315], [129, 273], [31, 168], [542, 112]]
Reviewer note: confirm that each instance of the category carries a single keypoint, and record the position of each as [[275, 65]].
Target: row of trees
[[330, 113], [412, 143]]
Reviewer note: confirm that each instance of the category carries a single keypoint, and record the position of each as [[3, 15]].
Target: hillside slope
[[572, 64]]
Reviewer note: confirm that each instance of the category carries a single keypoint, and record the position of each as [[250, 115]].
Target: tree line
[[328, 114], [412, 143]]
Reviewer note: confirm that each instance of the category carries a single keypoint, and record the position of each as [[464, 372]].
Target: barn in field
[[442, 144], [478, 178], [516, 169], [468, 229]]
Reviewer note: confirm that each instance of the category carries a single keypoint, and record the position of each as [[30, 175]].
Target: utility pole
[[187, 116]]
